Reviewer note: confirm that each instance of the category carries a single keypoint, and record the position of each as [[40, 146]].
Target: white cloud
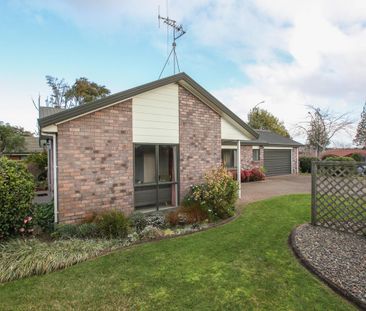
[[293, 52]]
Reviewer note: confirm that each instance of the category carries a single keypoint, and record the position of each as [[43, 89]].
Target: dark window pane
[[145, 196], [167, 195], [256, 155], [167, 163], [144, 164]]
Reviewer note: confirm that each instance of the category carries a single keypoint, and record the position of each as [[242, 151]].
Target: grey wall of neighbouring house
[[95, 163], [199, 140]]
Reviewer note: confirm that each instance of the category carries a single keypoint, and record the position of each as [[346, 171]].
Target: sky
[[287, 53]]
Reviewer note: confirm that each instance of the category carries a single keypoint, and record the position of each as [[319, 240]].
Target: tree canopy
[[81, 92], [360, 138], [11, 138], [261, 119]]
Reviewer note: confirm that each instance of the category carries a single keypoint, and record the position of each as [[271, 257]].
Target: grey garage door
[[277, 161]]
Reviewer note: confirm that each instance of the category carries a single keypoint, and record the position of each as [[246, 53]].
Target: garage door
[[277, 161]]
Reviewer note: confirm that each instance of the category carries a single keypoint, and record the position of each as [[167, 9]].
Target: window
[[228, 157], [256, 154], [155, 176]]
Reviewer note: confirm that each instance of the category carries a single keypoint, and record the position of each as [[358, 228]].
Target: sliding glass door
[[155, 176]]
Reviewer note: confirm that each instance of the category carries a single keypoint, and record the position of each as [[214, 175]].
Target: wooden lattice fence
[[339, 195]]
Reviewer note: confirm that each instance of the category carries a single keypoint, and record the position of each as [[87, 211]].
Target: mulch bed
[[337, 258]]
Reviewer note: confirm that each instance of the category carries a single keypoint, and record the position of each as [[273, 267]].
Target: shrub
[[112, 224], [156, 220], [79, 231], [218, 194], [43, 216], [347, 159], [257, 174], [37, 166], [305, 164], [21, 258], [151, 233], [16, 194], [192, 214], [138, 221], [357, 157]]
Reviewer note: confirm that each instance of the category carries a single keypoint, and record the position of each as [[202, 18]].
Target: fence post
[[314, 171]]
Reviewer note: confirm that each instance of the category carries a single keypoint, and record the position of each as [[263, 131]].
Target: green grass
[[243, 265]]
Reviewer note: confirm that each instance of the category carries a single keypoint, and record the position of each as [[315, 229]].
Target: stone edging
[[305, 263]]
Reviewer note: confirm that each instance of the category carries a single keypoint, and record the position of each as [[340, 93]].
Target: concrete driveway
[[274, 186]]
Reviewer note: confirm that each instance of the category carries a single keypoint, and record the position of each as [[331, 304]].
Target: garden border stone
[[305, 263]]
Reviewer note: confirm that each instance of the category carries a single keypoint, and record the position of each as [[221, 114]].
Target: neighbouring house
[[343, 152], [31, 145], [141, 149]]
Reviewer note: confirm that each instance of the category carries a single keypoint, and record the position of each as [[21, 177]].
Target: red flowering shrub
[[247, 175]]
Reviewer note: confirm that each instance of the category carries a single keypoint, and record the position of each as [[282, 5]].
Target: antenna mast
[[178, 31]]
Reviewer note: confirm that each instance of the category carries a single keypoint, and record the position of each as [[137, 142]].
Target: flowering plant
[[217, 194]]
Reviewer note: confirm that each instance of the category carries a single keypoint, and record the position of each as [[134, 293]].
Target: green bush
[[357, 157], [305, 164], [217, 195], [347, 159], [16, 195], [112, 224], [43, 216]]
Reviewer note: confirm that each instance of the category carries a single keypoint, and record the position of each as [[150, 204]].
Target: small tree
[[322, 126], [261, 119], [11, 138], [360, 138]]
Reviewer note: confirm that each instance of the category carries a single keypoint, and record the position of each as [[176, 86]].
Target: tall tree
[[11, 138], [84, 91], [261, 119], [360, 138], [321, 127], [81, 92]]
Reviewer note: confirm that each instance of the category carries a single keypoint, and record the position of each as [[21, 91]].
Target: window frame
[[259, 155], [157, 183]]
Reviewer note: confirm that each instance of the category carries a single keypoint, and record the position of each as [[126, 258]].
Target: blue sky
[[288, 53]]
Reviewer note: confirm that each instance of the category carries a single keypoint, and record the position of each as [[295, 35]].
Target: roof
[[271, 138], [31, 145], [343, 152], [48, 111], [181, 78]]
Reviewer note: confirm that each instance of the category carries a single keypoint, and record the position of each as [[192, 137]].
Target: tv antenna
[[178, 31]]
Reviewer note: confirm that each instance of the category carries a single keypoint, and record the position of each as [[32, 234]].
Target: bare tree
[[322, 125]]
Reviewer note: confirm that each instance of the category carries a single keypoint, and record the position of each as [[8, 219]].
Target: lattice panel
[[339, 196]]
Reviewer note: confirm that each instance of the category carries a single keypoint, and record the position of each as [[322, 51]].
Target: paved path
[[274, 186]]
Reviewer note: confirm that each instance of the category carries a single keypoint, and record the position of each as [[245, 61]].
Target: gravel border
[[337, 258]]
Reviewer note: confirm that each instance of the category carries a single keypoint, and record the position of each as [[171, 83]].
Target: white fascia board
[[279, 148]]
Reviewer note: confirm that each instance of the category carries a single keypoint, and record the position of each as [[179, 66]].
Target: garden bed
[[338, 258]]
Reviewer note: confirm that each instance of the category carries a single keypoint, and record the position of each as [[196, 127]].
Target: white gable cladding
[[229, 131], [155, 116]]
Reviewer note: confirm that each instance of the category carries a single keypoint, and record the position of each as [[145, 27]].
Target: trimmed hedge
[[347, 159], [16, 194]]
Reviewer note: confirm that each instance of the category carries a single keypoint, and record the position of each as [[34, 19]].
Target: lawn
[[243, 265]]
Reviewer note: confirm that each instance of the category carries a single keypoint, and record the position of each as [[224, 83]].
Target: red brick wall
[[200, 140], [95, 160], [246, 153]]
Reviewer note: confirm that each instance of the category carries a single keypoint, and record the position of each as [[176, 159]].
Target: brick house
[[142, 148]]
